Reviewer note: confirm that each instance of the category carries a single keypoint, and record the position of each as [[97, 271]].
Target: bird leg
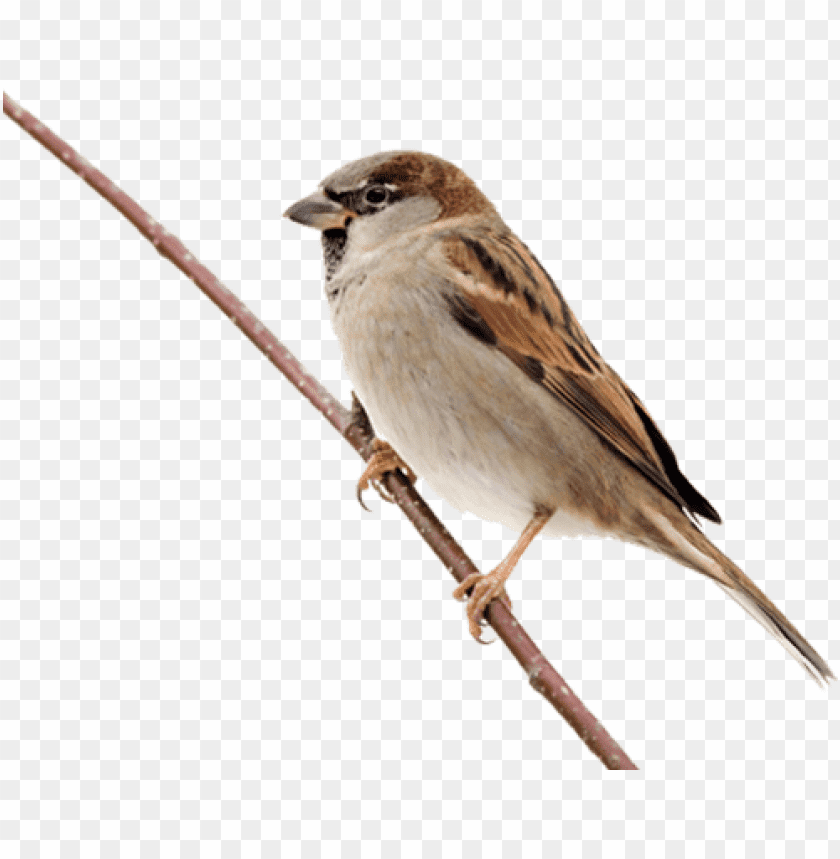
[[486, 588], [360, 421], [383, 459]]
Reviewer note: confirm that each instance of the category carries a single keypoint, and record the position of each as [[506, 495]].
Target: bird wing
[[506, 298]]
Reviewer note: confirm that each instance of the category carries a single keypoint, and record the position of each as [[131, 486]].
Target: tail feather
[[695, 550], [758, 606]]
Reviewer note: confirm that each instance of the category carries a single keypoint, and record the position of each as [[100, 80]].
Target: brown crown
[[418, 173]]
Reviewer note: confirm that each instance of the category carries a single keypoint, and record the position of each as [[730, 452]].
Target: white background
[[207, 648]]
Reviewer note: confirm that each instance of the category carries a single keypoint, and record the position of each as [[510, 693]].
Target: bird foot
[[383, 459], [485, 588]]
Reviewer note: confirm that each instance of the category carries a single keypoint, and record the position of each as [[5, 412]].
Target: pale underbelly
[[476, 461], [487, 438]]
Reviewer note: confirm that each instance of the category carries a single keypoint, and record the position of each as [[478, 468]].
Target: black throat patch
[[334, 244]]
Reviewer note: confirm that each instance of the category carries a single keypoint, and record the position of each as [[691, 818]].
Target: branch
[[541, 674]]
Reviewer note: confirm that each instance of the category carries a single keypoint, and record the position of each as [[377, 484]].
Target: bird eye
[[376, 195]]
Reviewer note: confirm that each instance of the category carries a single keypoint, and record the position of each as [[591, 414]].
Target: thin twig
[[541, 673]]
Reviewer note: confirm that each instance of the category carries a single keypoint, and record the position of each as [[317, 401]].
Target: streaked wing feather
[[507, 288]]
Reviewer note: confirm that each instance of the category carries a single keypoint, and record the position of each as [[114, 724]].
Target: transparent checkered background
[[208, 648]]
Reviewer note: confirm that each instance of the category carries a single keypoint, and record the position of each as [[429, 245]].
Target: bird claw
[[485, 588], [382, 460]]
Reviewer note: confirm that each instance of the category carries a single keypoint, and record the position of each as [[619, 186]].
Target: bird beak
[[318, 211]]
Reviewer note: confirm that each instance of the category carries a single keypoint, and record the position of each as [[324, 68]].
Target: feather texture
[[503, 286]]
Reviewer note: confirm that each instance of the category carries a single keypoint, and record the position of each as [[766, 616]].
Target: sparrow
[[475, 374]]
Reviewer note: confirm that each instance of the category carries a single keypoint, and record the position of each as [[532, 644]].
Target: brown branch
[[541, 674]]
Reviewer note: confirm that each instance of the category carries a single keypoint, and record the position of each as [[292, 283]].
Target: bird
[[473, 372]]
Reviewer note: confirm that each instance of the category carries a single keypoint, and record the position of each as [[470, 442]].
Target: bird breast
[[484, 436]]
